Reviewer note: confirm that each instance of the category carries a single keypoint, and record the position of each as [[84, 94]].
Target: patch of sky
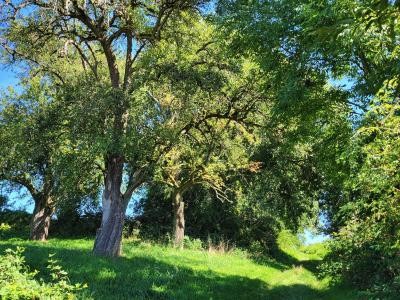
[[7, 78], [345, 83], [133, 208], [208, 7], [17, 199], [312, 236], [358, 104]]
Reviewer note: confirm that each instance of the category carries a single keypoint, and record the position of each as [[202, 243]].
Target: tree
[[95, 31], [247, 99], [199, 163], [30, 140], [37, 153], [355, 40], [206, 109], [309, 120]]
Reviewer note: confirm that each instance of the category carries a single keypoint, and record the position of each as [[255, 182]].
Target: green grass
[[147, 271]]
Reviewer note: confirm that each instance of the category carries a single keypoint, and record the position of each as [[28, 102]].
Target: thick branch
[[136, 179], [24, 181]]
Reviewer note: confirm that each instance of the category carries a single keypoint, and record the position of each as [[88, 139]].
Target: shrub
[[3, 202], [73, 224], [366, 254], [256, 249], [4, 229], [193, 244], [317, 250], [384, 291], [17, 223], [365, 250], [17, 282], [131, 229]]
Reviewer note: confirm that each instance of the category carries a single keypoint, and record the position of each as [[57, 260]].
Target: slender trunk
[[109, 235], [179, 220], [40, 223]]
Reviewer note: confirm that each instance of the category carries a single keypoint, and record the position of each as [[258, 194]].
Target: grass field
[[147, 271]]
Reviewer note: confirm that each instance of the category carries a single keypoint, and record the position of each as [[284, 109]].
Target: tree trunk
[[179, 220], [40, 223], [109, 235]]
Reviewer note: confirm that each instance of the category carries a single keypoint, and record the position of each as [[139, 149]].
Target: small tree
[[29, 137], [35, 154]]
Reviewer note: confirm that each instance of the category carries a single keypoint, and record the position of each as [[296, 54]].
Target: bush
[[365, 250], [17, 223], [5, 230], [366, 254], [192, 244], [72, 224], [256, 249], [318, 249], [131, 229], [17, 282]]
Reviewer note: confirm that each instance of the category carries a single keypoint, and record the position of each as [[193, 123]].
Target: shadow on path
[[283, 261]]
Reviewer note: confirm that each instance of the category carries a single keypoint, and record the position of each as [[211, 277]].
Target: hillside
[[148, 271]]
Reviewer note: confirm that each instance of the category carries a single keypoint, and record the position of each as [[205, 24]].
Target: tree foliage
[[253, 117]]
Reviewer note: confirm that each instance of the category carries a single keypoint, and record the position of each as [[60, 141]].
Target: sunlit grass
[[149, 271]]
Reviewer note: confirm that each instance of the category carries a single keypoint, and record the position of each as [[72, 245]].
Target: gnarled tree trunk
[[109, 235], [179, 220], [41, 218]]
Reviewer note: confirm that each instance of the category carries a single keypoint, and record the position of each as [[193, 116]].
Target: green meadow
[[153, 271]]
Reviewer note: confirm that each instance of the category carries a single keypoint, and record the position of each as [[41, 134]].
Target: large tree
[[108, 37], [359, 40], [354, 43], [206, 111]]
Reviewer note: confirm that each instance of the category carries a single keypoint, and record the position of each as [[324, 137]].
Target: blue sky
[[7, 78], [311, 237]]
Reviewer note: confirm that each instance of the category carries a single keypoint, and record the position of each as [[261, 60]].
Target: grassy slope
[[155, 272]]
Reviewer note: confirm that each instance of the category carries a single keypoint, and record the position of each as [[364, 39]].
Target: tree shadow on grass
[[283, 261], [144, 277], [290, 261]]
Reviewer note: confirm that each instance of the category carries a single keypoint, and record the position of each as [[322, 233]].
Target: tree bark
[[109, 235], [41, 218], [179, 220]]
